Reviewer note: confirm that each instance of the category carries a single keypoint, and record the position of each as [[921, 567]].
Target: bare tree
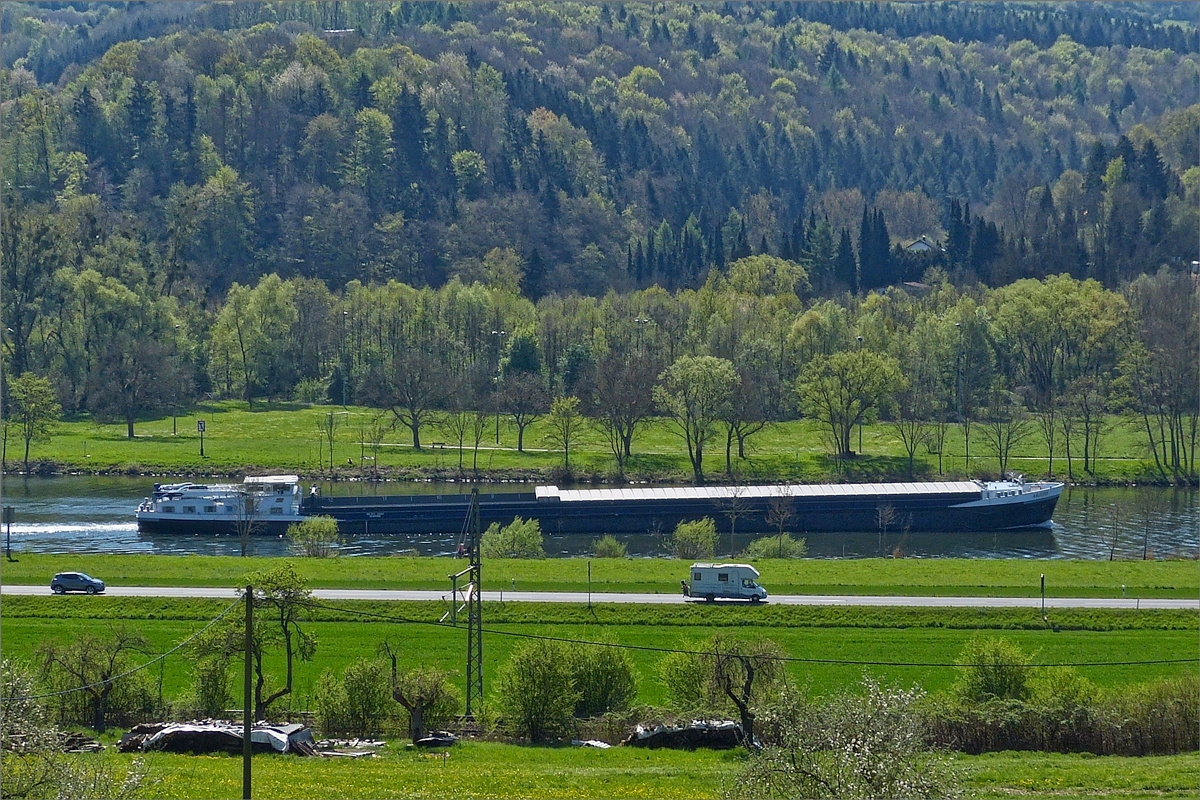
[[376, 431], [885, 515], [329, 425], [624, 400], [417, 386], [1006, 426], [523, 397], [244, 523], [479, 421], [909, 423], [737, 505], [780, 509], [1148, 506], [1048, 425], [1116, 518], [1068, 420]]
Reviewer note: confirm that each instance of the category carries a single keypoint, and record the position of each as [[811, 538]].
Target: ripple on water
[[91, 514]]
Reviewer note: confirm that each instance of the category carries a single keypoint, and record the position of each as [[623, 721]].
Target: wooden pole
[[248, 698]]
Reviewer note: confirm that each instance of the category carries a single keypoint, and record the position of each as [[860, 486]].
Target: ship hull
[[208, 527], [934, 513]]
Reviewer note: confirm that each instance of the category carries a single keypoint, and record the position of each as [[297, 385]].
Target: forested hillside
[[338, 199]]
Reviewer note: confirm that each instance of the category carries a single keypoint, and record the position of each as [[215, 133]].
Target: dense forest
[[417, 205]]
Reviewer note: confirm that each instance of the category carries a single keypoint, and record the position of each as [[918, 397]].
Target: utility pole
[[247, 696], [474, 613], [499, 334]]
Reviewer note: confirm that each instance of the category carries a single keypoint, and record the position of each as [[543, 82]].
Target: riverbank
[[288, 438]]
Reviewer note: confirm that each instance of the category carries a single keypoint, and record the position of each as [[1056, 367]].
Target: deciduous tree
[[845, 389], [33, 407], [695, 392]]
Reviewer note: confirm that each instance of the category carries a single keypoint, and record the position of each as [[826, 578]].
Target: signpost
[[9, 513], [200, 429]]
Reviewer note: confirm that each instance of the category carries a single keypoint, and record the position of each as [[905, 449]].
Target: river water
[[92, 514]]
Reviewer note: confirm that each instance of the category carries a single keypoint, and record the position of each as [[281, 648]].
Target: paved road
[[582, 597]]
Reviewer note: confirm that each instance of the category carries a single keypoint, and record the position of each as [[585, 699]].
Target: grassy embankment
[[870, 576], [286, 437], [502, 771]]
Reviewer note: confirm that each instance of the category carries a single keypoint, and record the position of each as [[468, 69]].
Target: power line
[[786, 659], [136, 669]]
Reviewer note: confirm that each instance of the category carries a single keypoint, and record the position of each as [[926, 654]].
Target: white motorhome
[[735, 581]]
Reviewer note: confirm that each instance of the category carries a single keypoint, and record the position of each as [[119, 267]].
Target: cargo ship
[[269, 504], [934, 506]]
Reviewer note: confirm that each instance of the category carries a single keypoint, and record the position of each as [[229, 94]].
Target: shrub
[[696, 539], [686, 677], [603, 677], [779, 546], [993, 669], [519, 539], [536, 692], [359, 703], [868, 744], [1068, 715], [607, 546], [316, 537], [1154, 718], [311, 390], [211, 691]]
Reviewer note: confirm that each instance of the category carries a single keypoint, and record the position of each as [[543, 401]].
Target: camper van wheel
[[708, 598], [755, 599]]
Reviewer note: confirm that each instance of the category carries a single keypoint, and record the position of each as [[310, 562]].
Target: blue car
[[76, 582]]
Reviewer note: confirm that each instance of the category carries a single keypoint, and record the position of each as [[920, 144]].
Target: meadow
[[868, 576], [287, 436], [829, 648], [504, 771]]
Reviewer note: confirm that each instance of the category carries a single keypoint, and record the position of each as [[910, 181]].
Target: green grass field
[[868, 576], [286, 437], [502, 771], [832, 647]]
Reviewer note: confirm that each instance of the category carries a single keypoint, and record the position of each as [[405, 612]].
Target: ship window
[[276, 511], [189, 509], [723, 576], [278, 499], [168, 509], [697, 576], [210, 509]]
